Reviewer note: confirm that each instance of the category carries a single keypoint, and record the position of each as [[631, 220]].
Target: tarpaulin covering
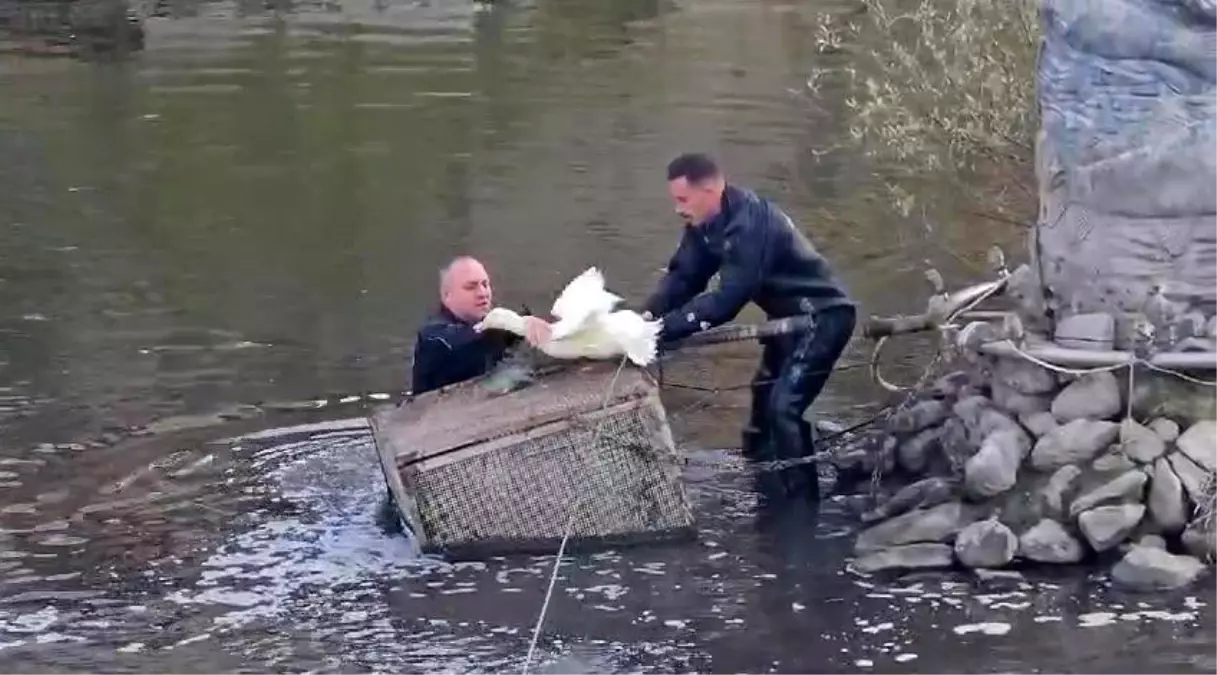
[[1127, 155]]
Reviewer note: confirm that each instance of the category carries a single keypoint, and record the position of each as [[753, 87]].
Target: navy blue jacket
[[448, 350], [760, 256]]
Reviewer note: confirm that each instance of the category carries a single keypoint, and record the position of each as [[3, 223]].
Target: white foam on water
[[903, 658], [609, 591], [283, 564], [864, 663], [131, 648], [1096, 619], [33, 622], [987, 628], [352, 424], [1046, 619], [1163, 615], [279, 558], [190, 640]]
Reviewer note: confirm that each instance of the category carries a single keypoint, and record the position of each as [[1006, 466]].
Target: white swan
[[583, 298], [587, 326]]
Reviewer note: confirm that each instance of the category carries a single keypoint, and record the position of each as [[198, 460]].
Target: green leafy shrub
[[940, 93]]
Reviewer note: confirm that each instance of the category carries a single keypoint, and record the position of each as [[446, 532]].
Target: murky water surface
[[212, 254]]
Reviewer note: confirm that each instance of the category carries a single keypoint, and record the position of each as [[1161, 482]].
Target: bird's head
[[502, 319]]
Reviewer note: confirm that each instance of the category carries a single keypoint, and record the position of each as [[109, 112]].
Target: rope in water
[[570, 523]]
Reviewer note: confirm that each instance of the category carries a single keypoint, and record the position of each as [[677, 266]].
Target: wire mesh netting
[[490, 472]]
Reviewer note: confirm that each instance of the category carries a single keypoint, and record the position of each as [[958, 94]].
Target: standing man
[[448, 349], [760, 257]]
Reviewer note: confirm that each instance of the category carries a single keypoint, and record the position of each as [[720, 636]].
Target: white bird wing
[[583, 298], [632, 335], [583, 292]]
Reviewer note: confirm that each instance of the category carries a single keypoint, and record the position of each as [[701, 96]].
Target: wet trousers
[[792, 373]]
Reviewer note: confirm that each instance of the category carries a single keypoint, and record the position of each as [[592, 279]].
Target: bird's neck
[[515, 323]]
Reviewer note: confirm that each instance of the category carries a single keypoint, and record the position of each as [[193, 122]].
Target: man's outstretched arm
[[745, 261], [689, 271]]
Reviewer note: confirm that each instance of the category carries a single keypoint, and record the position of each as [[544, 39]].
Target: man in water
[[761, 257], [447, 349]]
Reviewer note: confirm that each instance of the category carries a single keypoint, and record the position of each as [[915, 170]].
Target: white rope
[[1131, 365], [1131, 388], [1069, 371], [1180, 375], [570, 522]]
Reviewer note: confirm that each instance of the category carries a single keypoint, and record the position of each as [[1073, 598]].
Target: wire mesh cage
[[583, 449]]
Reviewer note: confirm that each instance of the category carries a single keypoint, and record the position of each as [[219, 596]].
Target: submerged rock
[[1077, 441], [987, 543], [1148, 568], [1106, 526], [1092, 396], [938, 523], [922, 494], [1049, 542], [910, 556]]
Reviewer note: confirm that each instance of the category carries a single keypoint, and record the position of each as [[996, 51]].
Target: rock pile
[[1010, 461]]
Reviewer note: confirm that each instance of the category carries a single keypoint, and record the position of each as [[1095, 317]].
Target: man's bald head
[[464, 288]]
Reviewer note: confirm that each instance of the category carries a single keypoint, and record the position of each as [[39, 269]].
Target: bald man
[[448, 350]]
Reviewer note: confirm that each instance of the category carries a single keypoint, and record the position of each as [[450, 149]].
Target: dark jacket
[[448, 350], [760, 257]]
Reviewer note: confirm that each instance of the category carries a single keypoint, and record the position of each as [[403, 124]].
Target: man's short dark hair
[[694, 167]]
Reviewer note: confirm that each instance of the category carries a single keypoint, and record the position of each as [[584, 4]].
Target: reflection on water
[[202, 245], [253, 208]]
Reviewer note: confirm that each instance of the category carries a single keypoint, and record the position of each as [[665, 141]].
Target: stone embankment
[[1006, 462]]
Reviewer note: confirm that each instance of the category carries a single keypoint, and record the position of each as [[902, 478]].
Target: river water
[[213, 257]]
